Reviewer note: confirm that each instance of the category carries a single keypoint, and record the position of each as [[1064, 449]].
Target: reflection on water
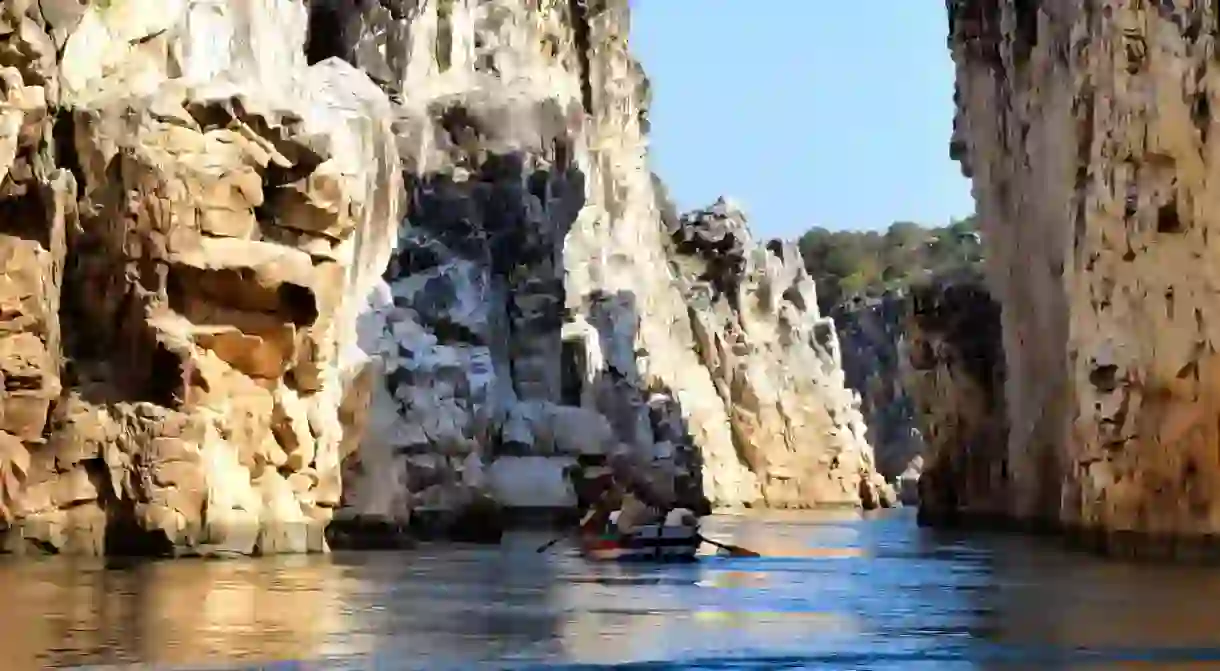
[[833, 591], [174, 613]]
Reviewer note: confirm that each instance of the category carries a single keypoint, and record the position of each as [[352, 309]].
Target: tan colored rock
[[328, 490], [14, 466], [1089, 130], [204, 316], [23, 271], [290, 423], [756, 324], [238, 207]]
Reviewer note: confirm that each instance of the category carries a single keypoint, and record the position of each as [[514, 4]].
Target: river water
[[832, 591]]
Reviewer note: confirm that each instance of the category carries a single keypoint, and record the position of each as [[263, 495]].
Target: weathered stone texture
[[203, 312], [187, 236], [1088, 128], [775, 362], [533, 313], [876, 364], [957, 378]]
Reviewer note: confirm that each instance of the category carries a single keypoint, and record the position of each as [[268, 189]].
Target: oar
[[733, 550], [549, 543], [553, 541]]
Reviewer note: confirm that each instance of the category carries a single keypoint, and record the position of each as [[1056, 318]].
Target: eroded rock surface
[[876, 357], [957, 380], [188, 234], [534, 313], [210, 299], [1089, 130], [775, 362]]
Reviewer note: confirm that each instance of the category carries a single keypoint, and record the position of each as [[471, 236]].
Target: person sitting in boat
[[627, 495], [646, 497], [635, 513], [620, 507], [600, 515], [590, 478], [598, 494], [690, 495]]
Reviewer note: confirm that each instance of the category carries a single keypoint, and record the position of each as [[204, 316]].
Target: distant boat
[[650, 543]]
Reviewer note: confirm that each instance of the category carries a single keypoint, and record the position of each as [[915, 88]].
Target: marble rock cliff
[[191, 218], [536, 312], [775, 361], [266, 263], [1089, 130], [876, 363]]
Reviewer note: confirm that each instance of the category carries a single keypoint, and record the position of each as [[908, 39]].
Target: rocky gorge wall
[[217, 328], [187, 235], [545, 305], [956, 378], [873, 333], [1088, 130], [776, 362]]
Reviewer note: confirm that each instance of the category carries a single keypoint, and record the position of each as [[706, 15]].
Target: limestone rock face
[[876, 348], [775, 362], [188, 235], [1089, 130], [957, 378], [209, 296], [534, 316]]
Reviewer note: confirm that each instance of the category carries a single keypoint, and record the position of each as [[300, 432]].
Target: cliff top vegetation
[[854, 264]]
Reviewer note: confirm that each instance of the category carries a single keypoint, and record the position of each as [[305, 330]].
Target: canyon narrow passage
[[388, 305]]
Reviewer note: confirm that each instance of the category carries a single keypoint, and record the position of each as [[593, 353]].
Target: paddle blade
[[738, 551], [730, 550]]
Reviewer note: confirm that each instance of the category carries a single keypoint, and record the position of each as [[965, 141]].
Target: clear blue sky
[[833, 113]]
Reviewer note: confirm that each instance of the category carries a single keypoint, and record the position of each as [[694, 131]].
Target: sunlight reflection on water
[[832, 590]]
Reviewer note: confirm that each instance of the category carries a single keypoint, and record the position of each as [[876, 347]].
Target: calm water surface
[[833, 591]]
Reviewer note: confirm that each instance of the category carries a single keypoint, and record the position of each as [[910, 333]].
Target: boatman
[[628, 495], [648, 495], [597, 493]]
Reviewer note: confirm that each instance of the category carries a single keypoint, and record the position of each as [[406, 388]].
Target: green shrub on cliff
[[849, 264]]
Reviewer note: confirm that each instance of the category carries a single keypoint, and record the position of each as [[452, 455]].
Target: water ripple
[[831, 592]]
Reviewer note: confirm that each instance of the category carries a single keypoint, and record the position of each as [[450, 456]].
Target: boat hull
[[651, 543]]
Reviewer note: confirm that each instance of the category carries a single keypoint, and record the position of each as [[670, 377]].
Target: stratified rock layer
[[202, 296], [534, 314], [188, 234], [775, 362], [1089, 130]]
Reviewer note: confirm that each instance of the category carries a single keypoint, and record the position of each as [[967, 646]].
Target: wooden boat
[[650, 543]]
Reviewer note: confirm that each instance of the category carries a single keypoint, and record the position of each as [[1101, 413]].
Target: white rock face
[[756, 324], [211, 299], [535, 308]]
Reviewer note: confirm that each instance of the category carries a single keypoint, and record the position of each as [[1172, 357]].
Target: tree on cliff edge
[[850, 264]]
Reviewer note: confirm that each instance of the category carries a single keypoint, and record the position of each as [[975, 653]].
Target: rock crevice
[[876, 343], [537, 221], [397, 259], [190, 239]]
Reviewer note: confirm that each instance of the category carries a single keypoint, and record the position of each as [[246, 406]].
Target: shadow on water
[[834, 591]]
